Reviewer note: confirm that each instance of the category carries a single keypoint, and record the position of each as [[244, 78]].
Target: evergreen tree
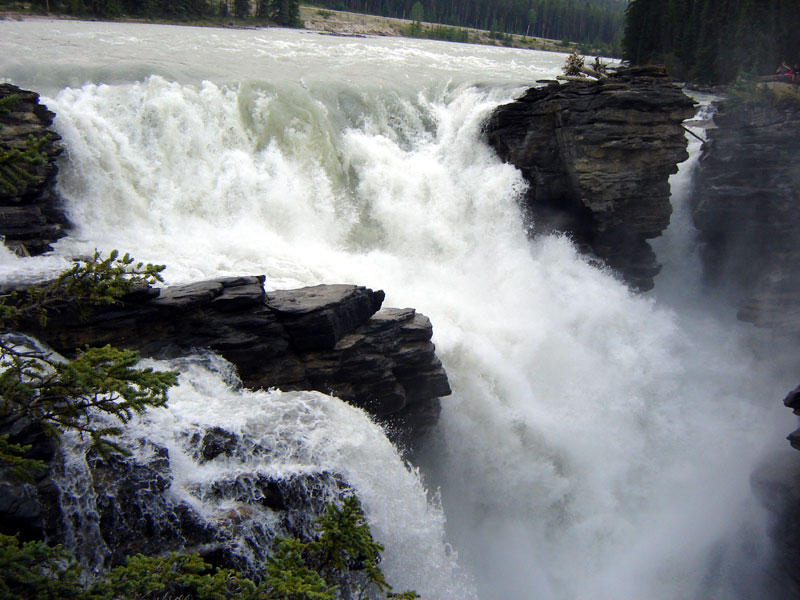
[[57, 395], [713, 40], [241, 8], [285, 12]]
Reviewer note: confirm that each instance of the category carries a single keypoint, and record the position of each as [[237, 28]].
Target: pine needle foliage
[[298, 570], [18, 167], [35, 570], [58, 395], [290, 577], [89, 283], [7, 103], [344, 555], [175, 576]]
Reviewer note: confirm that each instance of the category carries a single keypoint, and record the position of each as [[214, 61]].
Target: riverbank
[[340, 23], [356, 24]]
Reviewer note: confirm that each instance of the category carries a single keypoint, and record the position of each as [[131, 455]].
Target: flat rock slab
[[319, 316], [329, 338]]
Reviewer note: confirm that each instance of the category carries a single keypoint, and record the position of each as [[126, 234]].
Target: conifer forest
[[713, 40]]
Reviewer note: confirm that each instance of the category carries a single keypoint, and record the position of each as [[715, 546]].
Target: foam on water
[[597, 442], [307, 432]]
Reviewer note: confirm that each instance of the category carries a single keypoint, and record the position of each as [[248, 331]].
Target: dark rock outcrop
[[31, 217], [776, 484], [27, 507], [136, 513], [597, 156], [329, 338], [792, 401], [119, 505], [746, 206]]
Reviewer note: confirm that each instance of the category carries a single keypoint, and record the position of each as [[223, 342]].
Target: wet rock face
[[597, 156], [31, 217], [775, 482], [136, 513], [26, 506], [106, 508], [328, 338], [745, 206]]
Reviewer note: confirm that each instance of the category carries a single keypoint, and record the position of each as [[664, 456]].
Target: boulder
[[31, 214], [597, 155]]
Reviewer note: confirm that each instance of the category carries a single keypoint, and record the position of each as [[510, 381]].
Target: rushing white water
[[308, 433], [597, 443]]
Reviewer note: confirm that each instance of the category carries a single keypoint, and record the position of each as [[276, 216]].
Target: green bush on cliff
[[17, 166], [56, 394], [173, 576], [36, 570], [748, 91], [341, 562], [344, 555], [8, 102]]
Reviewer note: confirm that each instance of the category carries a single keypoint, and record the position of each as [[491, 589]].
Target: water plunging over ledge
[[598, 442]]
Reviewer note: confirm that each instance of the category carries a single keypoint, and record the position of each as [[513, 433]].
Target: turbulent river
[[598, 443]]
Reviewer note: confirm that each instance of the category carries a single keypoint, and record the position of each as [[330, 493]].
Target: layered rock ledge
[[745, 206], [329, 338], [597, 156], [31, 217]]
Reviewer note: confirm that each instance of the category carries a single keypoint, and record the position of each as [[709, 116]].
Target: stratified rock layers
[[328, 338], [745, 205], [597, 156], [30, 211]]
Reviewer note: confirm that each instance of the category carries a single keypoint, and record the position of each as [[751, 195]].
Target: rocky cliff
[[30, 214], [329, 338], [597, 156], [745, 206]]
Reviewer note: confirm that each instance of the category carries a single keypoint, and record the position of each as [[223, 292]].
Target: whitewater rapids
[[598, 443]]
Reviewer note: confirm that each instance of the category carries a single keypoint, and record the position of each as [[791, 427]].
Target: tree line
[[713, 40], [598, 23], [573, 20], [285, 13]]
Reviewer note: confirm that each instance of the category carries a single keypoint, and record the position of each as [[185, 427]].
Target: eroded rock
[[31, 217], [745, 206], [597, 156], [328, 338]]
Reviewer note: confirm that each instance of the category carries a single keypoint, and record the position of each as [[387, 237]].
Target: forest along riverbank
[[348, 23], [343, 23]]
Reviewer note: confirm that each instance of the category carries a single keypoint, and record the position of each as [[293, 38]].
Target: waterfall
[[282, 436], [597, 443]]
